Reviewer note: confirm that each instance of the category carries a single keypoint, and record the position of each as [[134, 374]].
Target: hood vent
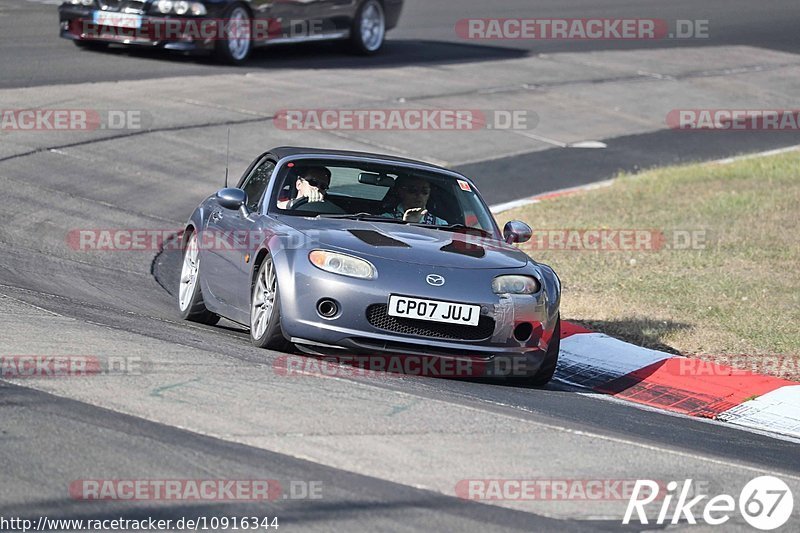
[[375, 238], [464, 248]]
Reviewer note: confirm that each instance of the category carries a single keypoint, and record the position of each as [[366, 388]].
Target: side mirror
[[516, 231], [233, 199]]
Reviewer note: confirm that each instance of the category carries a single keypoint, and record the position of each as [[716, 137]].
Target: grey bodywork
[[227, 276]]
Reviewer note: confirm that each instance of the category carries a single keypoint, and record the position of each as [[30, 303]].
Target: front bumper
[[352, 331], [186, 34]]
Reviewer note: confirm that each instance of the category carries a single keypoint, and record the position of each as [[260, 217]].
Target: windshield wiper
[[369, 217], [458, 227]]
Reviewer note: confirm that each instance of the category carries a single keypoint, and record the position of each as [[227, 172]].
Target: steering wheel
[[297, 202], [327, 207]]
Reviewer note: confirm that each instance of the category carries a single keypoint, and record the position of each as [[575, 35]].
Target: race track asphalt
[[388, 450]]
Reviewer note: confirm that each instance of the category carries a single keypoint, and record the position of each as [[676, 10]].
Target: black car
[[227, 28]]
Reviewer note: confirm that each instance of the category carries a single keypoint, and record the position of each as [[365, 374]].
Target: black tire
[[230, 54], [190, 300], [548, 368], [91, 45], [368, 41], [272, 336]]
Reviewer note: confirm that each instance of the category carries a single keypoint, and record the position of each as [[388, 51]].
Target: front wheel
[[235, 46], [369, 28], [265, 310], [548, 368]]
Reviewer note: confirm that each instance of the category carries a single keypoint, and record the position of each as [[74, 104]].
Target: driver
[[312, 182], [413, 194]]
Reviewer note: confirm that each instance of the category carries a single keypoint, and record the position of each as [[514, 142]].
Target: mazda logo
[[435, 279]]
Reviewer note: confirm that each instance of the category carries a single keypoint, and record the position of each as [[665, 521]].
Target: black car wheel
[[235, 47], [369, 28]]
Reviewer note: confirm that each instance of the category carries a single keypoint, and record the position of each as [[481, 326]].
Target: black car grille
[[378, 317], [123, 6]]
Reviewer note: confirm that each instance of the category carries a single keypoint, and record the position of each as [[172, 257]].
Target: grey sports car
[[336, 252]]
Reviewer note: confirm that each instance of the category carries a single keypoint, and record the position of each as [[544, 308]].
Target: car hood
[[408, 244]]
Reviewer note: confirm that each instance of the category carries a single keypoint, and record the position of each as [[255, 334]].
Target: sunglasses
[[417, 190], [321, 185]]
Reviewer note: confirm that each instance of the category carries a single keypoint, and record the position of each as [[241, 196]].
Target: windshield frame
[[270, 207]]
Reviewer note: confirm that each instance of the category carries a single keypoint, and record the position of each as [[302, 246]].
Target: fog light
[[327, 308]]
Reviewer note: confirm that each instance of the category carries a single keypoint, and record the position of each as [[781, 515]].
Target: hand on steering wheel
[[414, 214], [314, 196]]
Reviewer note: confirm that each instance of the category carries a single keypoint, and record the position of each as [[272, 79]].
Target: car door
[[229, 240], [337, 15], [274, 19]]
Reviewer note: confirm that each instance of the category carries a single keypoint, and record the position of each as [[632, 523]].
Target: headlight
[[87, 2], [181, 7], [346, 265], [515, 285], [164, 6]]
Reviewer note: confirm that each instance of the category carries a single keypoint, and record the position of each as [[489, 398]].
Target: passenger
[[411, 196]]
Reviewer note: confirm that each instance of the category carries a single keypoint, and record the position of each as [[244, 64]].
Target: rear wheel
[[369, 28], [265, 309], [234, 48], [190, 299], [548, 368]]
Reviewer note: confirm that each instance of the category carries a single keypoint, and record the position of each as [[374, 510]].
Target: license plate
[[117, 20], [434, 310]]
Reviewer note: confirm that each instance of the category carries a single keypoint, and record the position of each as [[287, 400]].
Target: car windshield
[[380, 192]]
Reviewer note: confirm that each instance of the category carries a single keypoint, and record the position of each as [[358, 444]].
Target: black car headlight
[[180, 7], [515, 285], [345, 265]]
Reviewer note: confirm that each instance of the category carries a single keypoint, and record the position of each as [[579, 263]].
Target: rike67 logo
[[765, 503]]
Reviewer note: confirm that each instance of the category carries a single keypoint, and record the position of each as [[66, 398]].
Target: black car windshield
[[380, 191]]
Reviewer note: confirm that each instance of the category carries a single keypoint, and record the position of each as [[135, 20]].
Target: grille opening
[[378, 317]]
